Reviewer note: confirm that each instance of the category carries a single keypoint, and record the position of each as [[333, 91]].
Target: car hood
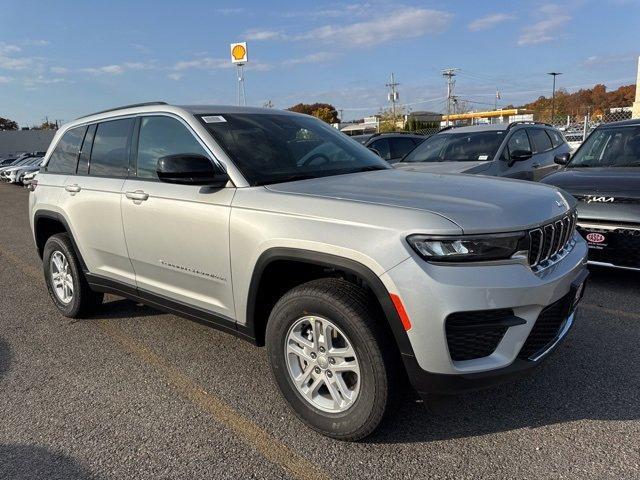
[[444, 167], [604, 194], [474, 203], [597, 180]]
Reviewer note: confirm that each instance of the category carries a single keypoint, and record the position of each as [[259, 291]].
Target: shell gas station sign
[[239, 53]]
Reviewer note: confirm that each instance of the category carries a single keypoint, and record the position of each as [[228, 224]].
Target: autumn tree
[[6, 124], [324, 111]]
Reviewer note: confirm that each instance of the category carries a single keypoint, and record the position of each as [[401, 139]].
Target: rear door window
[[65, 156], [85, 151], [110, 152], [401, 146], [540, 141]]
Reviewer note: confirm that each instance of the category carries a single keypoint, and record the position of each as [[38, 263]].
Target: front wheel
[[331, 357]]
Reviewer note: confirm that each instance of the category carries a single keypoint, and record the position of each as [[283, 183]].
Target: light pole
[[553, 95]]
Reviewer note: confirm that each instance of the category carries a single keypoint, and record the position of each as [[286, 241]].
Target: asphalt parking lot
[[138, 393]]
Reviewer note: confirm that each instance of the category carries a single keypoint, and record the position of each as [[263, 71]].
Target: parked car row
[[22, 169]]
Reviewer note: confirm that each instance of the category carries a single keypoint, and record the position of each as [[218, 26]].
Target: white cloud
[[4, 79], [489, 21], [231, 11], [401, 24], [59, 70], [6, 48], [175, 76], [115, 69], [260, 35], [13, 63], [549, 28], [36, 43], [204, 63], [318, 57]]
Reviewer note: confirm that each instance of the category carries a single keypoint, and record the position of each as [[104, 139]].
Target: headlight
[[468, 248]]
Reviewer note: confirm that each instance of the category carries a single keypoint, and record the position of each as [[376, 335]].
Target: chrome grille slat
[[548, 241]]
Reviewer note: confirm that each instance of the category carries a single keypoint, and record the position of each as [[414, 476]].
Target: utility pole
[[449, 73], [393, 97], [553, 95], [497, 98]]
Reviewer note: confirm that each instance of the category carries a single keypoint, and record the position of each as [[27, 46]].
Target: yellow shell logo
[[238, 52]]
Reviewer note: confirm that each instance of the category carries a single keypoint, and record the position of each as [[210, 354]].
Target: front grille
[[546, 243], [476, 334], [547, 327], [621, 246]]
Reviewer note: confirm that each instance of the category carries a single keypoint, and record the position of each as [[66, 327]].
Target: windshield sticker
[[483, 157], [213, 119]]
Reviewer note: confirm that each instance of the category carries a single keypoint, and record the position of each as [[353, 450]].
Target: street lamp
[[553, 97]]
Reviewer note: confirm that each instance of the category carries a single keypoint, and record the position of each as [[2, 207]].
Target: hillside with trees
[[594, 102]]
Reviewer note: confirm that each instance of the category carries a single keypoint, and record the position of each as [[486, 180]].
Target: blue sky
[[65, 59]]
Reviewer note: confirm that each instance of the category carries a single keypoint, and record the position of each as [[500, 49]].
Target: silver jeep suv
[[277, 228]]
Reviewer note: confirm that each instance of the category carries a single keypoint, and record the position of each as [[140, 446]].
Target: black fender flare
[[51, 215], [329, 261]]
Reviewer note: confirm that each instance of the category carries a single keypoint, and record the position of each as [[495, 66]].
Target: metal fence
[[577, 129]]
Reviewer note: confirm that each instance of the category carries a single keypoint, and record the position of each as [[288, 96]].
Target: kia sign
[[239, 53]]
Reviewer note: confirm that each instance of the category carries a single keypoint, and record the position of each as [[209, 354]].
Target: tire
[[349, 309], [82, 299]]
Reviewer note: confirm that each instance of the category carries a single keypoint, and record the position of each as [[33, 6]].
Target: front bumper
[[432, 293], [613, 245]]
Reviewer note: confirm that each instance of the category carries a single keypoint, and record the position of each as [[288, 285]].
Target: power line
[[393, 96], [449, 73]]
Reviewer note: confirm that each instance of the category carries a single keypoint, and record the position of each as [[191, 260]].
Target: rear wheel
[[67, 286], [331, 358]]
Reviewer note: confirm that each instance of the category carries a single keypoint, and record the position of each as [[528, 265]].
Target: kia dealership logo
[[595, 237]]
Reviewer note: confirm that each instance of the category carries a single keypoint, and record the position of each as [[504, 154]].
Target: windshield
[[272, 148], [457, 147], [610, 147]]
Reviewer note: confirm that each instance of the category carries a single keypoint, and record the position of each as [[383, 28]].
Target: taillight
[[32, 185]]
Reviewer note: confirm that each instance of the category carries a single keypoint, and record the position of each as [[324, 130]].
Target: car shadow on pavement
[[30, 462], [593, 375], [116, 307]]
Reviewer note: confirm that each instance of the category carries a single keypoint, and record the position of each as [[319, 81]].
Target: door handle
[[137, 196], [536, 165], [75, 188]]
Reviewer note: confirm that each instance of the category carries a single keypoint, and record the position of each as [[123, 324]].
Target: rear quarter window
[[556, 138], [65, 156]]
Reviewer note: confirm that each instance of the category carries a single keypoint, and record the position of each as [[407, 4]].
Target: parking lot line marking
[[263, 442], [259, 439], [612, 311]]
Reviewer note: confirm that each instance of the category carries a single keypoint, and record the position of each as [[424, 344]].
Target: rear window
[[110, 152], [65, 156]]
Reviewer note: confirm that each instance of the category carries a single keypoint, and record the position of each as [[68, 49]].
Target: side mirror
[[562, 158], [520, 155], [375, 151], [190, 169]]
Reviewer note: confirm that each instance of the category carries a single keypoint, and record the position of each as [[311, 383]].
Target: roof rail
[[143, 104], [528, 122], [402, 132]]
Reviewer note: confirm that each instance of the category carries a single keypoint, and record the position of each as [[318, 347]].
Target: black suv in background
[[604, 175], [392, 146], [523, 150]]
